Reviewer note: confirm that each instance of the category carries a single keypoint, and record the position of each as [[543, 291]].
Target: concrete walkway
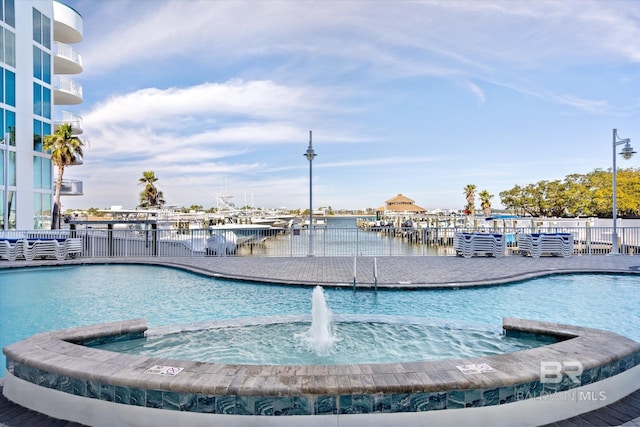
[[392, 272]]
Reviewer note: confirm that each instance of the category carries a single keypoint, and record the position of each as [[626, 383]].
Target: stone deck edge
[[53, 360]]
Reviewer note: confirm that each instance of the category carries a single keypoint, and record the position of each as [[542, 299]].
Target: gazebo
[[399, 205]]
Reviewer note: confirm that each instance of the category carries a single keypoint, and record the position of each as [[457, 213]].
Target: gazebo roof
[[400, 198], [401, 203]]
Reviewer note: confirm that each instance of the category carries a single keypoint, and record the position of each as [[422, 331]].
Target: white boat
[[222, 244], [317, 223]]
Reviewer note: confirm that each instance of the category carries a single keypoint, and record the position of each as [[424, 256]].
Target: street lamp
[[310, 154], [626, 153]]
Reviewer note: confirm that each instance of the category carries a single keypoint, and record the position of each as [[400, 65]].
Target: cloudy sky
[[416, 97]]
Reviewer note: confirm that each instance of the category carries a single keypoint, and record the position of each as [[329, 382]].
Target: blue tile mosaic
[[401, 402], [506, 394], [122, 395], [107, 392], [381, 403], [325, 405], [137, 397], [65, 384], [154, 399], [226, 405], [206, 403], [300, 405], [79, 387], [245, 405], [93, 390], [321, 405], [437, 401], [266, 406], [355, 404], [419, 402], [171, 400], [456, 399]]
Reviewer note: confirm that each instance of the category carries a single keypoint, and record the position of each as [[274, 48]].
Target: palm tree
[[470, 195], [150, 196], [64, 149], [485, 202]]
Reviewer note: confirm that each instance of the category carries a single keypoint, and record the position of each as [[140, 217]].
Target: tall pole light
[[626, 153], [5, 181], [310, 154]]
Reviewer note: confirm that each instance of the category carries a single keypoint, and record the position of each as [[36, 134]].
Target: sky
[[415, 97]]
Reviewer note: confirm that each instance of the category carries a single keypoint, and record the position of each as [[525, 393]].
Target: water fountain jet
[[320, 338]]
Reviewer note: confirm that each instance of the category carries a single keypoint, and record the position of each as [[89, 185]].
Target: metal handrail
[[136, 239]]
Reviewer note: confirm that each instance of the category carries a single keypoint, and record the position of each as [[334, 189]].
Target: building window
[[9, 12], [37, 63], [41, 65], [46, 67], [47, 177], [41, 211], [41, 29], [42, 178], [37, 99], [11, 208], [9, 48], [38, 136], [9, 88], [40, 130], [37, 172], [11, 176], [41, 101], [46, 102], [10, 122]]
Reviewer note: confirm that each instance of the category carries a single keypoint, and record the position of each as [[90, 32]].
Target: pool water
[[377, 339], [41, 299]]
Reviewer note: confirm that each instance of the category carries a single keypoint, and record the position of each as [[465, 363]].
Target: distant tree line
[[588, 194]]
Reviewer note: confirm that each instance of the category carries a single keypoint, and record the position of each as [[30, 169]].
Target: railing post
[[375, 274], [354, 273], [110, 239], [154, 239]]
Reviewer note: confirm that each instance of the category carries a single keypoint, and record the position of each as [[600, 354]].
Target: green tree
[[588, 194], [485, 202], [64, 149], [150, 197], [470, 195]]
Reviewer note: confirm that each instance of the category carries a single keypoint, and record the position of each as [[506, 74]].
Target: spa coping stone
[[51, 358]]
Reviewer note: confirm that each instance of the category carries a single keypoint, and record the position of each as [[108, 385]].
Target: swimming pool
[[35, 300]]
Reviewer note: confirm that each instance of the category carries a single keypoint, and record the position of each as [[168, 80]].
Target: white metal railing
[[66, 51], [136, 240], [73, 119], [65, 84], [71, 187]]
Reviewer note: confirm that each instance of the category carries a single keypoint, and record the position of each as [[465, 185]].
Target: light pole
[[310, 154], [626, 153]]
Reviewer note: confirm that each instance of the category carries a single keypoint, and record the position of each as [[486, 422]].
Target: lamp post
[[5, 180], [310, 154], [626, 153]]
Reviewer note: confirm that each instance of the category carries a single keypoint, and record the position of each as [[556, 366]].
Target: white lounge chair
[[550, 243], [468, 244]]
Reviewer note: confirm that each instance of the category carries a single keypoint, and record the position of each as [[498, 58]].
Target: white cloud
[[203, 89]]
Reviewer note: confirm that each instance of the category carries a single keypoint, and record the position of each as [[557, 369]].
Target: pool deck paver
[[392, 272]]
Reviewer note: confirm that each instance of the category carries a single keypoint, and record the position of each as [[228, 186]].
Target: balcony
[[67, 24], [73, 120], [79, 161], [66, 91], [66, 60], [71, 187]]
